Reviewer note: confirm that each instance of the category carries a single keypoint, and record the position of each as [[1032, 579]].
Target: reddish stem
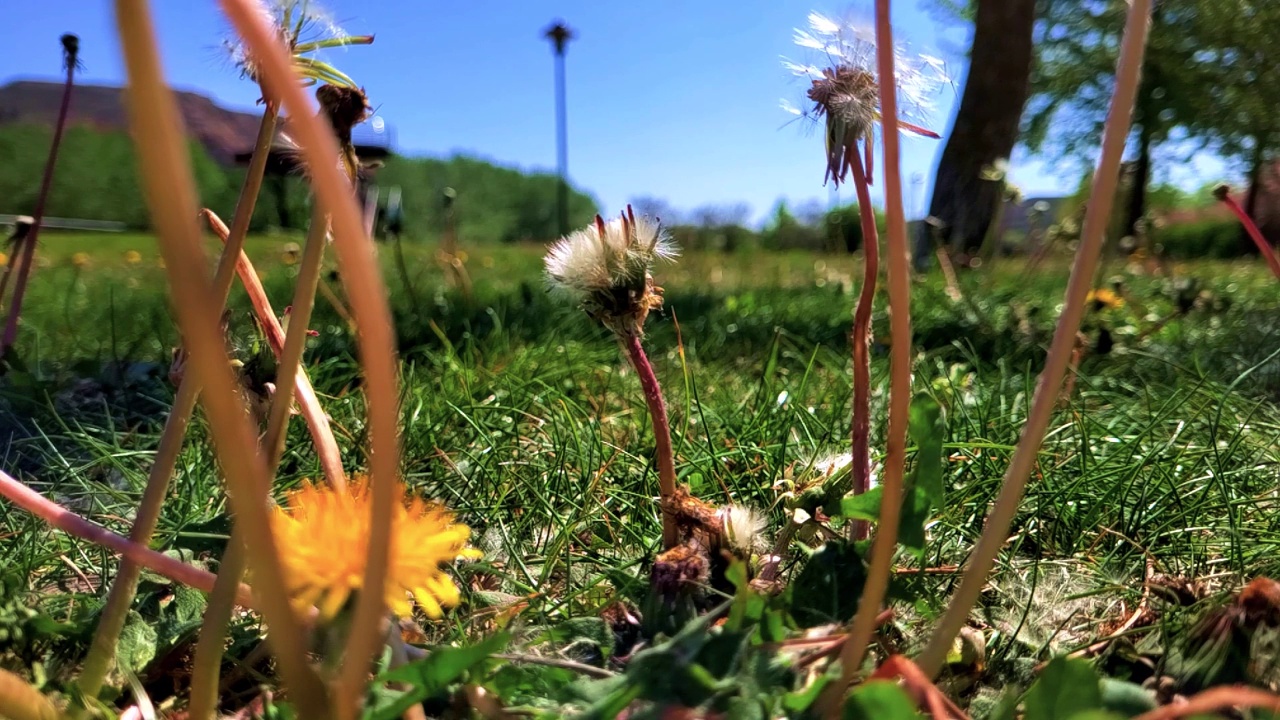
[[1255, 234], [661, 431], [24, 273], [65, 520], [861, 467]]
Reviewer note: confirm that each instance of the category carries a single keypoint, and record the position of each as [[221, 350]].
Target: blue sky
[[671, 99]]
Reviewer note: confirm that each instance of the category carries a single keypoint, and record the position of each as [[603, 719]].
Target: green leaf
[[1128, 699], [879, 700], [915, 513], [1066, 687], [433, 674], [828, 587], [928, 432], [589, 630], [137, 644], [862, 507]]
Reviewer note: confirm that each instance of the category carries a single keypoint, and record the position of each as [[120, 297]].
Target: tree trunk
[[1257, 162], [986, 125], [1138, 181]]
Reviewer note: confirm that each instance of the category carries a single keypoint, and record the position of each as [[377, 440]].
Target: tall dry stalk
[[120, 596], [899, 257], [70, 58], [996, 530], [370, 308], [170, 192], [859, 339]]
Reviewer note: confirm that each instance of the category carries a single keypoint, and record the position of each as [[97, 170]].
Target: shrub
[[1217, 238]]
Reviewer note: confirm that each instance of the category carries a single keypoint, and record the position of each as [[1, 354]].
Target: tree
[[1077, 45], [1240, 108], [985, 127]]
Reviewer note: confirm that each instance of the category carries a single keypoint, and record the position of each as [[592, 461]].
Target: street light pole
[[560, 35]]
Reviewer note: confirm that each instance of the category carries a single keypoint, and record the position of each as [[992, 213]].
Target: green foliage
[[97, 180], [432, 675], [494, 203], [828, 588], [1201, 239], [879, 700]]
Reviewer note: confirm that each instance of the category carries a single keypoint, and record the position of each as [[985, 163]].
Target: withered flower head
[[845, 88], [345, 107], [606, 267]]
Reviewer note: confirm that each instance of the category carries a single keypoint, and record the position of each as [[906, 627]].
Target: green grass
[[524, 418]]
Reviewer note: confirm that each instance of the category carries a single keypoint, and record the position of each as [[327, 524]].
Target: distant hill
[[222, 132]]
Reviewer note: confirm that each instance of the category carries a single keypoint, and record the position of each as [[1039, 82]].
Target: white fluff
[[743, 528], [589, 261]]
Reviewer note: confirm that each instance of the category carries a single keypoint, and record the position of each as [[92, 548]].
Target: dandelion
[[1104, 299], [133, 257], [845, 88], [324, 534], [290, 253], [80, 260], [4, 260], [606, 267]]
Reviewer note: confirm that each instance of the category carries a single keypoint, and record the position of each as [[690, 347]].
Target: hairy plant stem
[[120, 597], [858, 339], [661, 431], [46, 182], [208, 656], [369, 305], [1101, 198], [165, 172], [866, 619], [72, 524]]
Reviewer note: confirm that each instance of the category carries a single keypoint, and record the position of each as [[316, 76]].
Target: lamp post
[[559, 34]]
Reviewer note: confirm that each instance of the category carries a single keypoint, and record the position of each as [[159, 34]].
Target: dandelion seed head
[[606, 266], [844, 86]]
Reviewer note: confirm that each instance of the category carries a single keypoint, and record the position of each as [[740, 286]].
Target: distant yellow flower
[[4, 260], [324, 536], [1104, 299], [133, 257], [290, 253], [80, 259]]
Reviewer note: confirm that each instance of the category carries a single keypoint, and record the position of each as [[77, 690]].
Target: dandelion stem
[[72, 524], [170, 193], [899, 260], [120, 597], [46, 182], [996, 529], [858, 338], [369, 305], [1223, 194], [288, 372], [661, 431]]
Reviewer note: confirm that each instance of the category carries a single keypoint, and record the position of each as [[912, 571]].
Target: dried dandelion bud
[[345, 107], [681, 570], [606, 267]]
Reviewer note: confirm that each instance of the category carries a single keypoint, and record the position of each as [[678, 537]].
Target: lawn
[[524, 418]]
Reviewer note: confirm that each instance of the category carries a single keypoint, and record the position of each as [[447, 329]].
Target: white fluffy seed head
[[604, 256], [743, 528], [605, 267]]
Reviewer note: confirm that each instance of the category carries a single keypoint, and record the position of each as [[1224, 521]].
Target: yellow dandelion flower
[[4, 260], [324, 536], [80, 259], [1104, 299], [133, 257]]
